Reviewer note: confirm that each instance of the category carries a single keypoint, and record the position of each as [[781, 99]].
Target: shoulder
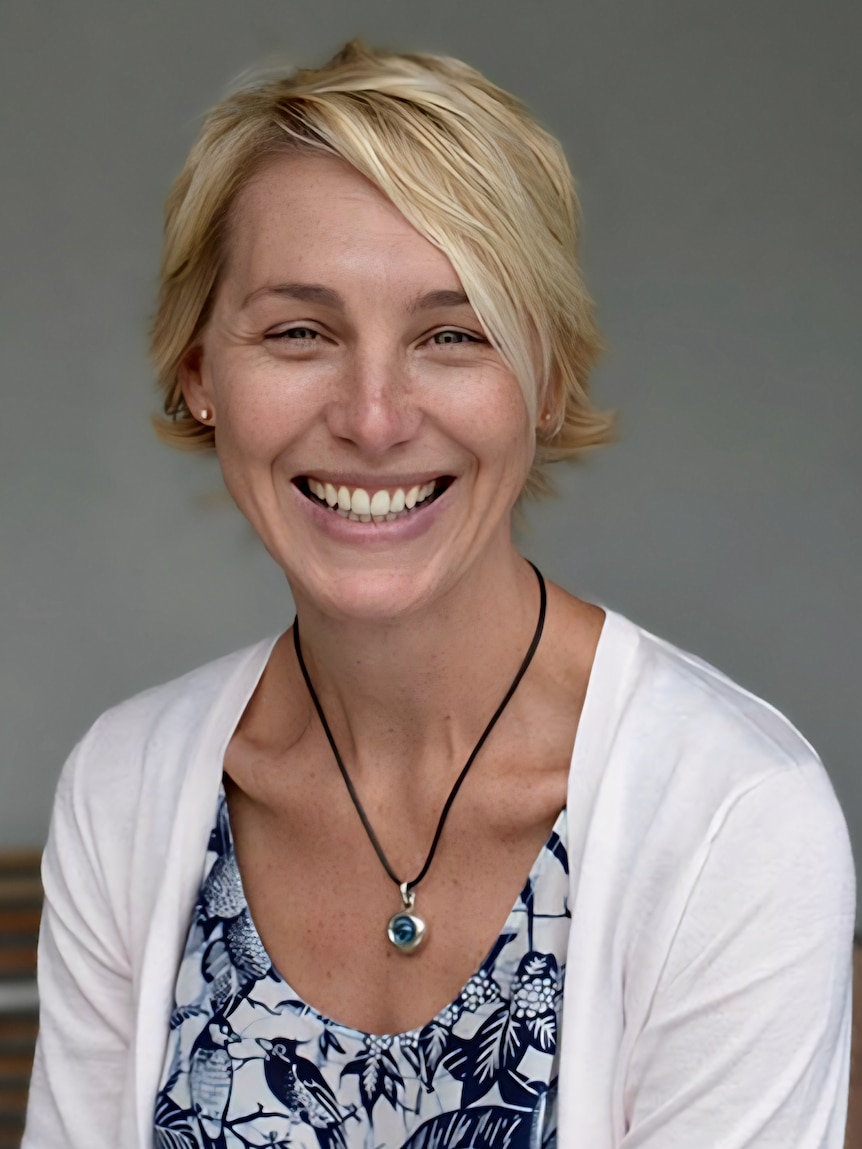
[[698, 765], [123, 787], [689, 717], [181, 705], [147, 742], [712, 812]]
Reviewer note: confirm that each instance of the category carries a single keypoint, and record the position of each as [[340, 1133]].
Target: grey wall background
[[718, 151]]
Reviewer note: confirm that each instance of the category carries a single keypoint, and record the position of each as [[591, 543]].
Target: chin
[[377, 594]]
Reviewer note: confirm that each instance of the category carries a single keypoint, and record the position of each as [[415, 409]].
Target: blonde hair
[[469, 168]]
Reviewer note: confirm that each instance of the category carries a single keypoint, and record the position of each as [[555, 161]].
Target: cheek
[[258, 413], [254, 428], [496, 424]]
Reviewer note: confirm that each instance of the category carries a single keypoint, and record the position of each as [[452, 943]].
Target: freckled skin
[[369, 389], [411, 637]]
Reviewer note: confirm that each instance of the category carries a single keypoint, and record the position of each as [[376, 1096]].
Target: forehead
[[316, 216]]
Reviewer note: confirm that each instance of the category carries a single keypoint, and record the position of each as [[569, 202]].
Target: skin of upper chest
[[321, 900], [318, 894]]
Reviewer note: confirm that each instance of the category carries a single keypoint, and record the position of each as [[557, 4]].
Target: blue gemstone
[[403, 930]]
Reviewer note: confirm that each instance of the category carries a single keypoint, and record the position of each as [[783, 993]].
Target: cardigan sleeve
[[86, 1002], [747, 1040]]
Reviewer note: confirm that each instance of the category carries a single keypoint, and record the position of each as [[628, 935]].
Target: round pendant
[[405, 929]]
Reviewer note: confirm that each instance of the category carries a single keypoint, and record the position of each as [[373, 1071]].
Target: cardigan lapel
[[193, 813], [589, 1120]]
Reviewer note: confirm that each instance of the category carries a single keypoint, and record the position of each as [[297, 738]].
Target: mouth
[[372, 504]]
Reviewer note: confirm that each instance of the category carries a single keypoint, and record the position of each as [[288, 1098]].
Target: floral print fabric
[[249, 1064]]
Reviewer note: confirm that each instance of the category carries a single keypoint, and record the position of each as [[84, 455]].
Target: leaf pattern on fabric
[[172, 1128], [536, 998], [432, 1045], [557, 847], [478, 1062], [328, 1041], [250, 1064], [543, 1031], [489, 1127], [378, 1075]]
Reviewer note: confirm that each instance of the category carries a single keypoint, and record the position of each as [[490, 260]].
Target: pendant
[[406, 929]]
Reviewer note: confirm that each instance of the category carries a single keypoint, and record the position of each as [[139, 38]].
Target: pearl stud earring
[[205, 414]]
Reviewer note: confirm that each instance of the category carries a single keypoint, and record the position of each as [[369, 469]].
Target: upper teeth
[[367, 506]]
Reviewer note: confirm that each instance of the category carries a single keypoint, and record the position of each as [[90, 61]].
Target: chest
[[249, 1054], [321, 899]]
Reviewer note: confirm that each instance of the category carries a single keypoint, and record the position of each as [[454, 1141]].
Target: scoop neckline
[[558, 831], [606, 689]]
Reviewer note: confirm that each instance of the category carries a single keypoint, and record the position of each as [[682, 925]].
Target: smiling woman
[[460, 160], [473, 862], [378, 381]]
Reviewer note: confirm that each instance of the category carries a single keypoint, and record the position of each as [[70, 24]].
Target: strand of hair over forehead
[[358, 79], [416, 79], [337, 112], [391, 117], [375, 95]]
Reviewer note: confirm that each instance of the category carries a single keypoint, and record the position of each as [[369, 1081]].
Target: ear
[[546, 415], [193, 379]]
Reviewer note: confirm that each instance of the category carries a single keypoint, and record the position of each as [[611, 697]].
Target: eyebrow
[[326, 297], [304, 292], [435, 299]]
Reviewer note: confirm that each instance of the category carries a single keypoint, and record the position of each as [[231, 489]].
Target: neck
[[422, 687]]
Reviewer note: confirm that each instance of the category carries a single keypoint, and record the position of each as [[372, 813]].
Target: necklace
[[405, 929]]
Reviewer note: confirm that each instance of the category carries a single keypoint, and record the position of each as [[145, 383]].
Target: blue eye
[[452, 338]]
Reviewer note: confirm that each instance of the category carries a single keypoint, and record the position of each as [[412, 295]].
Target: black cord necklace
[[405, 929]]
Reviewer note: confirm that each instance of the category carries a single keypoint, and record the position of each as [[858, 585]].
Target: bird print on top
[[211, 1079], [250, 1064], [301, 1088]]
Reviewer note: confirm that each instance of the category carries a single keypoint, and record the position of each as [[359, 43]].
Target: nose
[[373, 406]]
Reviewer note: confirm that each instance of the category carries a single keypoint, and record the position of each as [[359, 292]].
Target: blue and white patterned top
[[249, 1064]]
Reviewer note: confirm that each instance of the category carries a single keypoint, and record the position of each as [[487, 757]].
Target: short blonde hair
[[469, 168]]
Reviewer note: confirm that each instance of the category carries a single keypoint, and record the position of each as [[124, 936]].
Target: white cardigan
[[707, 993]]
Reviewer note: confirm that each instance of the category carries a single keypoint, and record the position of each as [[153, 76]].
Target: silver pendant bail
[[407, 896]]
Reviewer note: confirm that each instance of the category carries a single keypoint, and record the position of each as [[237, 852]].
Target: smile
[[362, 505]]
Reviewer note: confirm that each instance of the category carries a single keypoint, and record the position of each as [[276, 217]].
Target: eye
[[295, 334], [452, 338]]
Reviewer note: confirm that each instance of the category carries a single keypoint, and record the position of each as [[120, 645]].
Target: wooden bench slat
[[21, 888], [13, 860], [19, 919], [13, 1098], [16, 1029], [15, 1065], [17, 961]]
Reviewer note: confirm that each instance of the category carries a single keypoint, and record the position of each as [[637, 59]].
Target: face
[[365, 426]]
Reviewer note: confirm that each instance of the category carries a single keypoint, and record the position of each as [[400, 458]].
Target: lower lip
[[403, 529]]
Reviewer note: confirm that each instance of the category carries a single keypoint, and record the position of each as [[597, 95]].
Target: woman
[[460, 859]]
